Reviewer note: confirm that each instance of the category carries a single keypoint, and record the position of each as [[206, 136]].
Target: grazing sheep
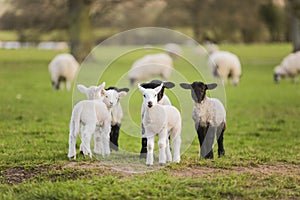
[[161, 120], [173, 49], [162, 99], [289, 67], [63, 68], [117, 115], [225, 65], [211, 48], [160, 64], [93, 116], [209, 116]]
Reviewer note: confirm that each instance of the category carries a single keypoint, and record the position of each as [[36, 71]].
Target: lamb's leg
[[204, 137], [143, 153], [176, 143], [162, 144], [72, 143], [150, 149], [220, 132], [97, 141], [105, 137], [114, 137], [86, 139], [168, 150]]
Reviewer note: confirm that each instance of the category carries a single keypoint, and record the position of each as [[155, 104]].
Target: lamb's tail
[[75, 121]]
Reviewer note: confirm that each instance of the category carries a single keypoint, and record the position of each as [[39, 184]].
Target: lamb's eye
[[144, 96], [155, 95], [106, 96]]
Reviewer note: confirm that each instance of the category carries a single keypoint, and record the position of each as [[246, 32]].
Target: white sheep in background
[[63, 68], [173, 49], [95, 117], [225, 65], [209, 116], [117, 115], [289, 67], [161, 120], [160, 64], [162, 99]]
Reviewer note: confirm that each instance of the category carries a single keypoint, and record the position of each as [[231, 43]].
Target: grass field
[[262, 140]]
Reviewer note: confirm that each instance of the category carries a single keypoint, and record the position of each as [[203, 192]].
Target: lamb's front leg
[[105, 134], [162, 144], [150, 149]]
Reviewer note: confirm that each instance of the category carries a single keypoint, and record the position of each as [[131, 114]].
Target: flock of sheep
[[101, 114]]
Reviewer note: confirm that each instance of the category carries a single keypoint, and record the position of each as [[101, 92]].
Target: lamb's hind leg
[[114, 137], [105, 132], [97, 141], [176, 143], [86, 139], [220, 133], [143, 153]]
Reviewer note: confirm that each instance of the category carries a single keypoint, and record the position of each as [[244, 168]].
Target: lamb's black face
[[198, 91], [152, 86]]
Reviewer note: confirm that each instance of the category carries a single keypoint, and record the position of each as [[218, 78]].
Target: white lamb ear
[[185, 86], [141, 88], [122, 94], [82, 88], [158, 88], [102, 85]]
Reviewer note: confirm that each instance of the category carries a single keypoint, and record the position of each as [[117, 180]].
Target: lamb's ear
[[102, 85], [156, 81], [141, 88], [122, 94], [82, 88], [169, 85], [185, 86], [211, 86], [158, 88], [124, 90]]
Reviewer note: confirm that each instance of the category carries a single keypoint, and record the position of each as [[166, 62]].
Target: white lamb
[[162, 99], [225, 65], [209, 116], [95, 117], [92, 93], [173, 49], [289, 67], [160, 64], [63, 68], [161, 120]]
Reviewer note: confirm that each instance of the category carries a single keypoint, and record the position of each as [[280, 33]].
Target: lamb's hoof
[[143, 155], [114, 148], [72, 158], [81, 152], [162, 164]]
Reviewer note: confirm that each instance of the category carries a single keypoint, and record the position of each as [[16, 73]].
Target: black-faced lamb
[[209, 116]]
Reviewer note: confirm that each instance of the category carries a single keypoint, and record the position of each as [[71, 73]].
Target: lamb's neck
[[203, 102], [150, 113]]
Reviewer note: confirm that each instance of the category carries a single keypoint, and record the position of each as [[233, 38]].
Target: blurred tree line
[[244, 21]]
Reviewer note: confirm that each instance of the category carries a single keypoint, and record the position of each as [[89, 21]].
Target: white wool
[[161, 120], [226, 64], [289, 66], [63, 66], [151, 65], [93, 116]]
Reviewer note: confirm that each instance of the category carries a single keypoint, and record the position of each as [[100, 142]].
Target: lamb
[[173, 49], [160, 64], [161, 99], [93, 116], [117, 115], [289, 67], [93, 92], [209, 116], [63, 68], [225, 65], [161, 120]]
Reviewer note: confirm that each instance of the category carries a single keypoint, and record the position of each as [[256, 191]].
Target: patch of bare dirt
[[262, 170]]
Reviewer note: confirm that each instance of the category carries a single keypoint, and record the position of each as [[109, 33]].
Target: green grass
[[262, 139]]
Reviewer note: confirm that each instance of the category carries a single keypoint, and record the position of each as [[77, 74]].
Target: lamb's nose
[[150, 104]]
